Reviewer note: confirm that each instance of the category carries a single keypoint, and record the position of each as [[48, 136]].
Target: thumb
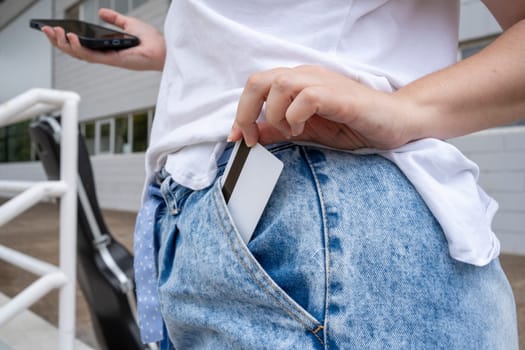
[[113, 17]]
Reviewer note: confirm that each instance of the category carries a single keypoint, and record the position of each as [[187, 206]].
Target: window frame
[[112, 120], [98, 129]]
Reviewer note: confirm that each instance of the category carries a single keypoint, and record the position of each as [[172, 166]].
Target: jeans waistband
[[223, 159], [225, 156]]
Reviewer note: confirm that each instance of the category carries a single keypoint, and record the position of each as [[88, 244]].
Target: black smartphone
[[90, 35]]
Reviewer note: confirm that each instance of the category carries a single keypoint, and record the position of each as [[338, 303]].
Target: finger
[[235, 134], [74, 42], [61, 40], [113, 17], [80, 52], [50, 34], [309, 102], [60, 35], [280, 96], [268, 134], [76, 48], [250, 105]]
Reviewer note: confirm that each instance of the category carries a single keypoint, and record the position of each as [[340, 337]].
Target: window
[[140, 132], [121, 134], [89, 136], [15, 144], [3, 144], [125, 133], [104, 136], [122, 137], [19, 143]]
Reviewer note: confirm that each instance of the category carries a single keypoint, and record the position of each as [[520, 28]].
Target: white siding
[[500, 153], [118, 179], [476, 21], [23, 171], [25, 54]]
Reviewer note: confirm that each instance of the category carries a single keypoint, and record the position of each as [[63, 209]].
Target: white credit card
[[248, 181]]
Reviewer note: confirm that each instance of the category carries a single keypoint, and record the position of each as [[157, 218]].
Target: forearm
[[483, 91]]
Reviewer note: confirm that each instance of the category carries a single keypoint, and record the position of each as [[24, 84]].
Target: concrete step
[[28, 331]]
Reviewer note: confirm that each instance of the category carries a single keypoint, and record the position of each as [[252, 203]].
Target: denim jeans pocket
[[253, 268], [215, 293]]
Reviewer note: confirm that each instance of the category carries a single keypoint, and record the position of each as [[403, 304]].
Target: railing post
[[68, 223], [23, 107]]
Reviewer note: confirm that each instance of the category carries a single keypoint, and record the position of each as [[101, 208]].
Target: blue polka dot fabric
[[150, 319]]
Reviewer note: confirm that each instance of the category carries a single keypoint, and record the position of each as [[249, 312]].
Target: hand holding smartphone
[[90, 35]]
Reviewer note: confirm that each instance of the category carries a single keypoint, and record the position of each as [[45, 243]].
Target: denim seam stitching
[[326, 244], [168, 196], [281, 147], [269, 290], [181, 199]]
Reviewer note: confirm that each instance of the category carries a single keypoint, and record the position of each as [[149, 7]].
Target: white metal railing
[[23, 107]]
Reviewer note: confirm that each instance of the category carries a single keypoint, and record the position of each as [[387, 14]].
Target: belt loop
[[169, 196]]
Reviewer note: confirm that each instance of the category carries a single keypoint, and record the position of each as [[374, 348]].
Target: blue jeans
[[345, 256]]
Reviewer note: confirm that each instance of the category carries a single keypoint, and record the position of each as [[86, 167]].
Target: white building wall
[[500, 154], [476, 21], [25, 54], [20, 171], [119, 180]]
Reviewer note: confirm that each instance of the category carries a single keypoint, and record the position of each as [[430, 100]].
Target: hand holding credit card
[[248, 181]]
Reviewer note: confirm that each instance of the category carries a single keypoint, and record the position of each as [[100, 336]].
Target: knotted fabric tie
[[150, 319]]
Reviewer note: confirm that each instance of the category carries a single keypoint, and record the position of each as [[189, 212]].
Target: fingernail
[[297, 131]]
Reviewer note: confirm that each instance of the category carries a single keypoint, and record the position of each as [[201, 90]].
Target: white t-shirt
[[214, 46]]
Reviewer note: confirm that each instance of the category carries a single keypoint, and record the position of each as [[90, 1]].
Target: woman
[[387, 247]]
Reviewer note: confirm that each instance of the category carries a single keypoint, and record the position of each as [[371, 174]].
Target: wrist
[[403, 119], [417, 118]]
